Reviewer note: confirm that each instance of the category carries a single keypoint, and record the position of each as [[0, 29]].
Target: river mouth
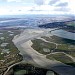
[[28, 69]]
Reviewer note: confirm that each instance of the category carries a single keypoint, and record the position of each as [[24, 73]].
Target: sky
[[21, 7]]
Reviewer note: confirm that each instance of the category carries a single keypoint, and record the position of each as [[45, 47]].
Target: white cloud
[[52, 2], [14, 0], [39, 2], [44, 8], [14, 10], [25, 1], [72, 5]]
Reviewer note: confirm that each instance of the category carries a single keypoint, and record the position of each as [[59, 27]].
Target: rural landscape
[[37, 37], [44, 49]]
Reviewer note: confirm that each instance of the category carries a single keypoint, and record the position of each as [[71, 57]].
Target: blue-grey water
[[64, 34], [21, 20], [27, 22]]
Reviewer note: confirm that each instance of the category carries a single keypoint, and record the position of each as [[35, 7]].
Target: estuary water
[[64, 34]]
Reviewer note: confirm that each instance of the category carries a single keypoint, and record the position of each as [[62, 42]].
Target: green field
[[62, 58], [59, 40], [71, 23], [9, 53], [5, 37], [66, 47], [63, 45], [43, 47]]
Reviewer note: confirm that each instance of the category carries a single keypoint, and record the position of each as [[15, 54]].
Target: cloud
[[36, 6], [39, 2], [52, 2], [19, 0], [3, 0], [64, 9], [42, 8], [62, 4], [14, 0], [59, 5]]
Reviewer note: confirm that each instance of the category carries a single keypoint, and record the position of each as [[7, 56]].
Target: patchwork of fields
[[9, 53]]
